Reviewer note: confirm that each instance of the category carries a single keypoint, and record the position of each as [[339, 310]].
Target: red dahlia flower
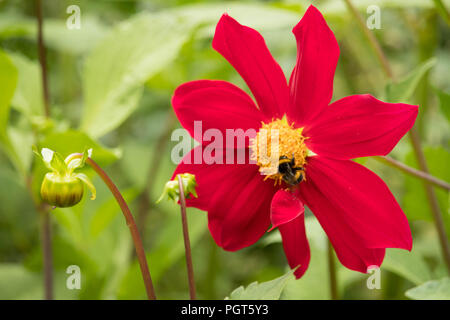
[[353, 205]]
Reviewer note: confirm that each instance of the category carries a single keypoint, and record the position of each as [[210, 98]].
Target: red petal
[[210, 177], [236, 198], [311, 82], [287, 213], [357, 211], [239, 213], [217, 104], [246, 51], [285, 207], [360, 126]]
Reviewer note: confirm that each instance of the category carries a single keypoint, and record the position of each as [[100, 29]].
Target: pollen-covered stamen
[[280, 140]]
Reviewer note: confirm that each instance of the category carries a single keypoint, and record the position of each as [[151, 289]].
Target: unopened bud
[[172, 189], [62, 187], [60, 191]]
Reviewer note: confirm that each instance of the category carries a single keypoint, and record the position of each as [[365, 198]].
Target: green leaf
[[444, 103], [167, 249], [314, 283], [270, 290], [8, 82], [409, 265], [116, 70], [56, 33], [403, 90], [415, 203], [19, 283], [72, 141], [259, 16], [338, 7], [75, 41], [431, 290], [105, 214], [28, 96]]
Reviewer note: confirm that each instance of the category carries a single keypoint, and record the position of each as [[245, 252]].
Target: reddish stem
[[46, 238], [140, 253], [42, 58], [47, 253], [414, 172], [187, 243]]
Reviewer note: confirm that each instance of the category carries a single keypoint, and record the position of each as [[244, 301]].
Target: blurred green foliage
[[111, 83]]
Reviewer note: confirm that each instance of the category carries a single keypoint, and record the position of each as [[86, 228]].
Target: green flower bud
[[172, 190], [61, 191], [62, 187]]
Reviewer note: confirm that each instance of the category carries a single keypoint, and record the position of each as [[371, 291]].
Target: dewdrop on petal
[[172, 190]]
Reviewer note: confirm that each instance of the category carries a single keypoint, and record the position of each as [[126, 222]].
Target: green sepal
[[88, 184], [62, 187], [189, 184], [172, 189], [76, 163], [52, 160]]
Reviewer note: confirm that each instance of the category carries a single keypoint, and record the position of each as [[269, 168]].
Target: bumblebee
[[290, 174]]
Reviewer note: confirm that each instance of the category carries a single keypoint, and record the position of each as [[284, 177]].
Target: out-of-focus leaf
[[105, 214], [116, 70], [258, 16], [72, 141], [18, 283], [13, 25], [403, 90], [270, 290], [314, 283], [415, 202], [444, 103], [76, 41], [338, 7], [21, 140], [409, 265], [431, 290], [105, 253], [167, 250], [56, 33], [28, 96], [8, 82]]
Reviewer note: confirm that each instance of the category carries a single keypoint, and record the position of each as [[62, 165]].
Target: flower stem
[[332, 273], [414, 172], [432, 199], [187, 244], [47, 253], [372, 40], [415, 141], [46, 239], [42, 58], [130, 223]]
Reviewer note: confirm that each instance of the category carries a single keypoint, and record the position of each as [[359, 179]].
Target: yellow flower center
[[280, 152]]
